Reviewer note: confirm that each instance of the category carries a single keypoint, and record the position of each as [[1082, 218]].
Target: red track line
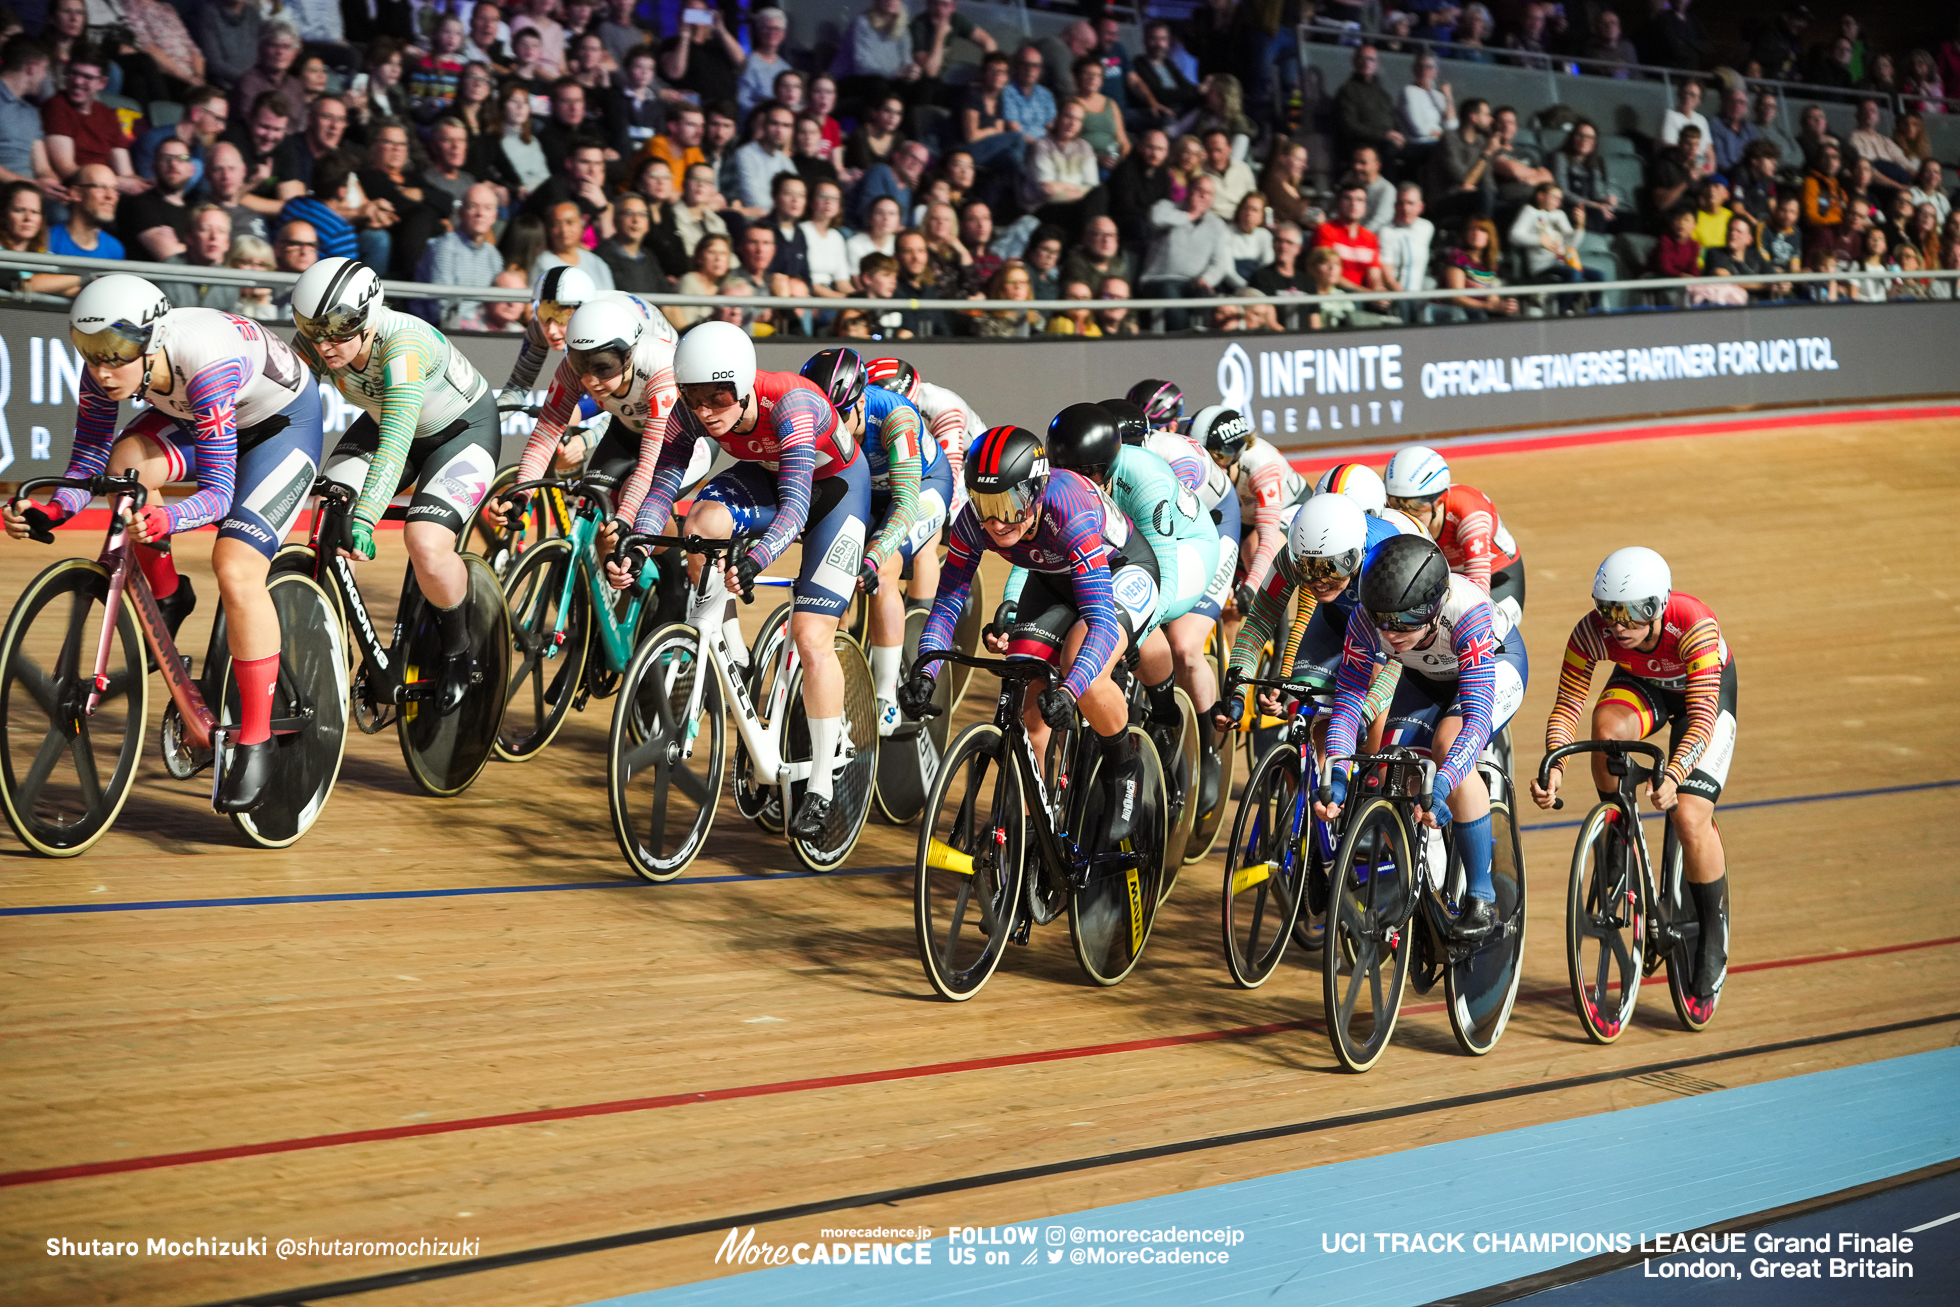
[[126, 1164]]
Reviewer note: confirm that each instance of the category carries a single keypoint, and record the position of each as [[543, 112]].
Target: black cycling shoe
[[812, 815], [1121, 784], [1712, 964], [454, 682], [246, 776], [1211, 768], [1477, 920], [178, 605]]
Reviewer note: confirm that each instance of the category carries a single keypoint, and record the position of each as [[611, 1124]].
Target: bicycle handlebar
[[1299, 689], [1618, 748], [1393, 755], [528, 410], [40, 527], [1019, 668]]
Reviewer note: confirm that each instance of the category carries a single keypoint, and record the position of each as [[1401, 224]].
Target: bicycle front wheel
[[445, 754], [972, 848], [1109, 918], [551, 631], [309, 714], [663, 796], [1263, 869], [65, 772], [1605, 926], [1365, 959]]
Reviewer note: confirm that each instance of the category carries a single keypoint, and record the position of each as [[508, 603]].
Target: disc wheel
[[1365, 958], [1480, 990], [445, 754], [1109, 919], [763, 803], [551, 635], [1680, 907], [312, 694], [908, 758], [65, 773], [1205, 827], [970, 861], [1180, 783], [663, 802], [1605, 927], [851, 786], [1264, 869], [541, 520]]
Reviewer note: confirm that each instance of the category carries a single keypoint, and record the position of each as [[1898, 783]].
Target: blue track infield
[[1666, 1167]]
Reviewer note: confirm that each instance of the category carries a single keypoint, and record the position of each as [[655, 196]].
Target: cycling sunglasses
[[1009, 507], [554, 312], [1408, 504], [1638, 613], [107, 348], [1339, 567], [1412, 619], [708, 394]]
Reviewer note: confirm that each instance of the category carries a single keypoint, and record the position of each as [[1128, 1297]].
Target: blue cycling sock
[[1473, 842]]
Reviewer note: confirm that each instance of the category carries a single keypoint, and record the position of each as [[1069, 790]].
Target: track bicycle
[[74, 693], [1179, 750], [991, 802], [1622, 920], [444, 753], [545, 517], [1206, 826], [1393, 907], [667, 751]]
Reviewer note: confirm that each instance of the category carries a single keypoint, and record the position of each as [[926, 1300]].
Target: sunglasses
[[1638, 613], [1340, 567], [708, 394], [1408, 504], [1009, 507], [1402, 623]]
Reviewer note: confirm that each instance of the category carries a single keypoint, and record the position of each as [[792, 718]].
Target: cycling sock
[[1607, 796], [255, 677], [454, 626], [1163, 702], [159, 569], [823, 752], [1473, 842], [884, 672], [1712, 906]]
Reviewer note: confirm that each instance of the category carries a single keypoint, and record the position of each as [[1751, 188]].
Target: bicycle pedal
[[1023, 927], [583, 697]]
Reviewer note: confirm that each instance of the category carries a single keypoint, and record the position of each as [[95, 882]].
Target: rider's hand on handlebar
[[1227, 713], [150, 525], [363, 535], [915, 697], [868, 576], [1057, 707], [741, 574], [994, 634], [570, 456], [17, 522], [1327, 804], [1663, 796], [1547, 795], [1269, 703]]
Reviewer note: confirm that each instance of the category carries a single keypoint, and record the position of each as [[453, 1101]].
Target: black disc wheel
[[908, 758], [762, 801], [544, 518], [309, 714], [1694, 1013], [65, 771], [970, 861], [551, 644], [1480, 989], [446, 753], [1109, 918], [1605, 926], [1264, 868], [854, 779], [1365, 958], [1208, 824], [665, 758], [1181, 786]]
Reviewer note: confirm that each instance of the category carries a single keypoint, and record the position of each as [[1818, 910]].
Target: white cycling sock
[[823, 752], [884, 672]]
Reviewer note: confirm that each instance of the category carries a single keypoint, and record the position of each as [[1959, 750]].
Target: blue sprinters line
[[273, 900]]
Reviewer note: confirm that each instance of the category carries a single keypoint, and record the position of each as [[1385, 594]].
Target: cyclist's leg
[[160, 453], [740, 500], [453, 470], [1045, 616], [922, 548], [1470, 800], [1703, 859], [833, 550], [885, 631], [1627, 710]]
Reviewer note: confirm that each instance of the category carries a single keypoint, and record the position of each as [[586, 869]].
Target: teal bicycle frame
[[616, 628]]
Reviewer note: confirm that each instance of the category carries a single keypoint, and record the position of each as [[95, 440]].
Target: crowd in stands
[[698, 147]]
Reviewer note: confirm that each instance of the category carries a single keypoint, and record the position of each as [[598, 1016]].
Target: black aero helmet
[[1221, 431], [1404, 583], [1082, 438], [1162, 403], [895, 375], [1006, 471], [1131, 424], [839, 373]]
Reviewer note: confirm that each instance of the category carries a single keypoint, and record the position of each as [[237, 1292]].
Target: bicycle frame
[[1662, 938], [1299, 728], [331, 570], [615, 631]]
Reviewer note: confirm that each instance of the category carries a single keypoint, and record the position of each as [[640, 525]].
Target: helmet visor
[[1335, 567], [1638, 613], [605, 362], [330, 327], [709, 394], [1412, 503], [1409, 619], [553, 311], [1008, 507], [111, 347]]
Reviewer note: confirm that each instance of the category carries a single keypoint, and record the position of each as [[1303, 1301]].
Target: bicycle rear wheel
[[1181, 788], [65, 773], [1263, 866], [541, 520], [550, 661], [1681, 959], [445, 755], [763, 803], [312, 695], [1365, 960], [972, 850], [851, 786], [1109, 919], [1605, 926], [1481, 989], [663, 803], [1206, 826]]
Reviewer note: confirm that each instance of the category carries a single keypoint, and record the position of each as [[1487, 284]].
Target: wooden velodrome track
[[748, 1040]]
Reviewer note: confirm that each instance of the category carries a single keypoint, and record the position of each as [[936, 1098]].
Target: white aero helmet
[[1632, 586], [1401, 521], [1358, 482], [559, 291], [716, 354], [1328, 537], [600, 338], [1417, 472], [114, 320], [335, 299]]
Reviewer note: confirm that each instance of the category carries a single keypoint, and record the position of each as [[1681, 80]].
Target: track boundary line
[[550, 1252]]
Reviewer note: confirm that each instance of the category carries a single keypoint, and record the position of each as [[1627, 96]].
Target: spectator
[[1248, 243], [1868, 142], [768, 29], [1187, 165], [1736, 257], [1102, 118], [1756, 187], [875, 138], [449, 147], [760, 161], [1158, 91], [992, 140], [823, 104], [1283, 184], [897, 180], [1549, 245], [253, 254], [1078, 321], [1188, 259], [1471, 265], [1136, 184], [228, 35], [515, 158], [157, 222], [1768, 126], [81, 130], [1058, 56], [1782, 237], [680, 147], [1405, 245], [1832, 65], [878, 275], [432, 85], [1359, 248], [1044, 260], [1363, 112], [756, 252], [91, 212], [812, 156], [1822, 292], [704, 57], [385, 93], [1814, 133], [1060, 182], [1117, 321], [1859, 180], [921, 278], [1024, 101], [1731, 133], [24, 230], [1580, 173], [1910, 136], [23, 152], [830, 263], [419, 211], [1515, 164], [564, 229], [507, 315], [619, 29], [1232, 177], [1324, 279], [489, 37], [1686, 113], [977, 235], [300, 153], [1527, 40], [1712, 213], [297, 249], [571, 119], [1675, 170], [1459, 181], [334, 205], [464, 256], [528, 67], [654, 187], [947, 45], [1286, 275], [210, 242], [1778, 47], [1099, 257], [718, 146], [1428, 110], [1009, 282], [1926, 189], [1898, 220], [1672, 39], [876, 50], [1608, 45], [1873, 257], [1923, 80], [166, 63], [1909, 259], [951, 258], [699, 212], [635, 107], [1471, 43], [1367, 173], [1678, 253], [279, 46], [789, 202], [224, 186], [882, 221], [535, 15], [204, 119]]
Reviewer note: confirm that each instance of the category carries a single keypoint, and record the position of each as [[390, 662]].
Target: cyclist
[[555, 296], [954, 424], [231, 404], [1270, 491], [797, 475], [1462, 521], [911, 493], [1161, 401], [1672, 668], [1358, 482], [1463, 675], [428, 419], [1052, 524]]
